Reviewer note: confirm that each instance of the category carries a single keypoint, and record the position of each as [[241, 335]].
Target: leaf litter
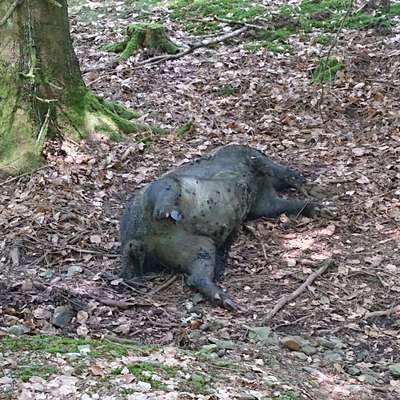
[[59, 246]]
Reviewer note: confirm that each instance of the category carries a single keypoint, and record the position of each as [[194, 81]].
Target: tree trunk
[[41, 88]]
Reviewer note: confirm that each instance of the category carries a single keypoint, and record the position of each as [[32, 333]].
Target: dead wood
[[286, 299], [163, 286], [195, 46], [383, 313]]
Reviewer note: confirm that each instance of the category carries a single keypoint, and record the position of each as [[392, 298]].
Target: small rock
[[82, 330], [143, 386], [354, 371], [197, 298], [326, 343], [291, 262], [42, 313], [368, 378], [225, 344], [6, 380], [394, 370], [259, 333], [209, 348], [73, 270], [62, 316], [18, 330], [309, 350], [332, 357], [27, 285], [294, 343], [271, 381], [300, 356]]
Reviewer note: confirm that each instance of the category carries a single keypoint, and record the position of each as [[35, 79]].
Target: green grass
[[327, 70], [62, 345], [324, 39], [25, 372]]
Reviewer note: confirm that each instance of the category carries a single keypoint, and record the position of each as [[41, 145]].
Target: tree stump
[[144, 36]]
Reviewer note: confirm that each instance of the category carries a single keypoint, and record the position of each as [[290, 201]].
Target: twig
[[10, 11], [167, 283], [86, 251], [383, 313], [193, 47], [23, 175], [286, 299], [137, 291], [242, 23], [119, 303]]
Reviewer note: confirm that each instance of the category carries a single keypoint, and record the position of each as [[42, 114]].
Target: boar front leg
[[270, 205], [201, 274]]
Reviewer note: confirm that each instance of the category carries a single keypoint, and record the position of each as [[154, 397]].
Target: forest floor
[[71, 329]]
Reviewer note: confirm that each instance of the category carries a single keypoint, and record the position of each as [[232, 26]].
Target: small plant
[[229, 90], [288, 396], [327, 70], [324, 39], [199, 382], [185, 129]]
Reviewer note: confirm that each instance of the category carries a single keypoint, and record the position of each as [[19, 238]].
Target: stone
[[62, 316], [394, 370]]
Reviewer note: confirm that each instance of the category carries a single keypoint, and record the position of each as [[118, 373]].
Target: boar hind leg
[[163, 196], [201, 275], [270, 205]]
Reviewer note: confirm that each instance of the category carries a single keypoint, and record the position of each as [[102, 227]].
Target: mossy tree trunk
[[41, 88]]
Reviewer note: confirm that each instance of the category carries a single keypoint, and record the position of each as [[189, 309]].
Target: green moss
[[327, 70], [19, 151], [188, 11], [119, 109], [143, 35], [87, 113], [114, 47]]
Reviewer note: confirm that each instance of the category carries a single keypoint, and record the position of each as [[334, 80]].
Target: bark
[[41, 88]]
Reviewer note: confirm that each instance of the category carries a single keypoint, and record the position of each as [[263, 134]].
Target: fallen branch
[[23, 175], [286, 299], [193, 47], [10, 11], [167, 283], [383, 313], [119, 303]]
